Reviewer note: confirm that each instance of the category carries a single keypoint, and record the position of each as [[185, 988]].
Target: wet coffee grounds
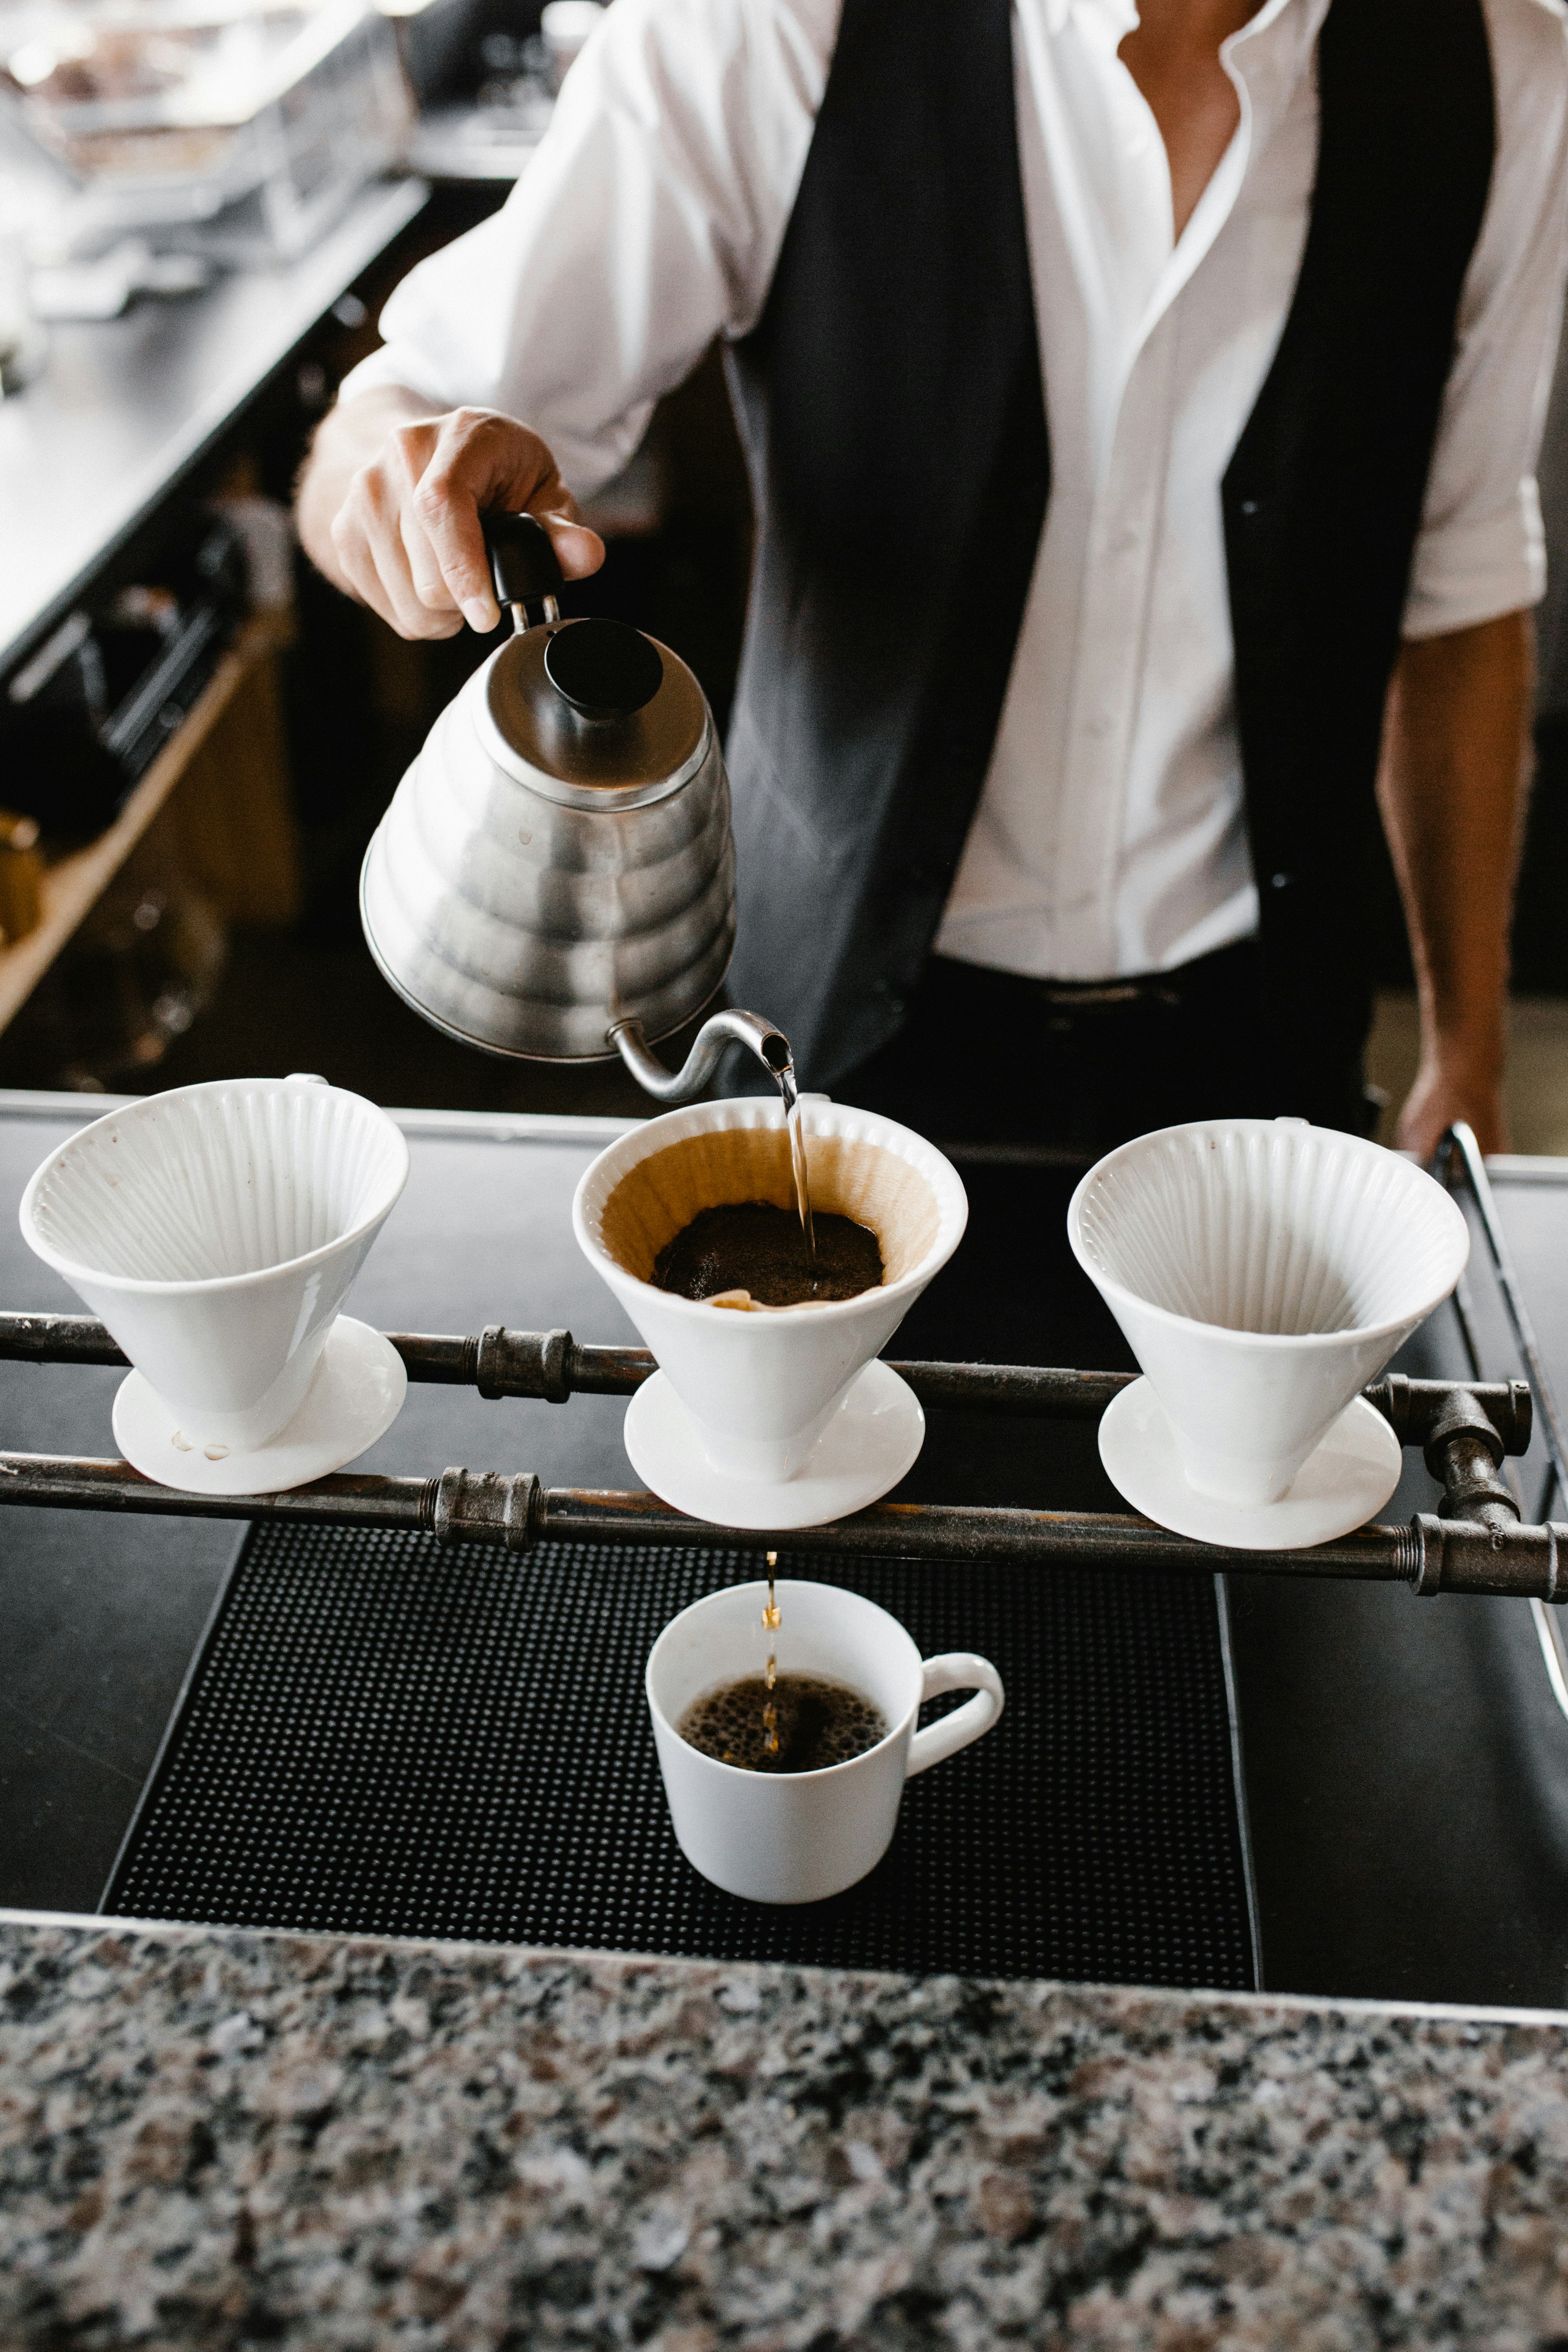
[[752, 1245]]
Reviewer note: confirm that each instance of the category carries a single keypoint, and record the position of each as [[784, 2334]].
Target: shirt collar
[[1117, 15], [1274, 48], [1122, 16]]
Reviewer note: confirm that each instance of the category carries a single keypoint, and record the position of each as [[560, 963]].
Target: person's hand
[[1451, 1084], [405, 537]]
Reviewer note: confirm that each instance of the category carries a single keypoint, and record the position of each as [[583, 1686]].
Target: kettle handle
[[524, 566]]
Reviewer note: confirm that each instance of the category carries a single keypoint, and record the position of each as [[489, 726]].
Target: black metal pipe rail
[[515, 1511], [551, 1366], [1464, 1429]]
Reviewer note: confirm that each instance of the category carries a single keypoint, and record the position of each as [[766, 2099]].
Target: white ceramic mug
[[216, 1229], [796, 1837]]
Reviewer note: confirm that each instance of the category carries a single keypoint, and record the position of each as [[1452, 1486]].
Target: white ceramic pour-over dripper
[[1263, 1271], [216, 1229], [759, 1388]]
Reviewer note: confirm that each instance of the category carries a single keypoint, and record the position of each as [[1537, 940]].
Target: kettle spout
[[770, 1045]]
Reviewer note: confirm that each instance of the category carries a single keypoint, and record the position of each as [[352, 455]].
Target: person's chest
[[1127, 312]]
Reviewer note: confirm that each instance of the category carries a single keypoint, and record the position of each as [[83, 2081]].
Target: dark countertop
[[102, 1615], [125, 408], [214, 2137], [1406, 1762]]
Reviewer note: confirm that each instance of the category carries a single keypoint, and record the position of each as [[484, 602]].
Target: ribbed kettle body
[[527, 926]]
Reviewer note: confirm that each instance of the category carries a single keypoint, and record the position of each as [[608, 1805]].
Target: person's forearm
[[392, 500], [1452, 795], [347, 439]]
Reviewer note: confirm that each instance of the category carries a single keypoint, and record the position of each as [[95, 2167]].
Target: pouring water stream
[[718, 1033], [795, 1123]]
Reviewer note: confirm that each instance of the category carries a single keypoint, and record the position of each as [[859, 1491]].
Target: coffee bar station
[[649, 1706], [706, 1775]]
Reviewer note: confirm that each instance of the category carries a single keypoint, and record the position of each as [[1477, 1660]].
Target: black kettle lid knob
[[523, 562], [605, 669]]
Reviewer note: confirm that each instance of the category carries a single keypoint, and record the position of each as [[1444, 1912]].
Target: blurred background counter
[[142, 624], [196, 736]]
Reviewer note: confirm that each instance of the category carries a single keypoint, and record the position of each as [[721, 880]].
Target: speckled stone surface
[[219, 2137]]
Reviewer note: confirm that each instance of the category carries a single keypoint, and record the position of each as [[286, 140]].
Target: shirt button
[[1280, 881], [1249, 506]]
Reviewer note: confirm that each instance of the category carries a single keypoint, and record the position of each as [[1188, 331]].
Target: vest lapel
[[891, 405]]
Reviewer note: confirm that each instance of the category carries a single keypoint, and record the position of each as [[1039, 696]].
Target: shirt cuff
[[584, 466], [1468, 571], [395, 363]]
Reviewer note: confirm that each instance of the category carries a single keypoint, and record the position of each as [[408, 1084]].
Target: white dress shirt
[[1110, 836]]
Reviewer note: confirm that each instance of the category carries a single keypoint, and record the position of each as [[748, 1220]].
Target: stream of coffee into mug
[[770, 1622]]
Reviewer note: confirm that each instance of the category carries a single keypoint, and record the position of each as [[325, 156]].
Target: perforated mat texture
[[385, 1738]]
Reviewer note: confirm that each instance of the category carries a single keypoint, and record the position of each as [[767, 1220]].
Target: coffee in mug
[[817, 1723]]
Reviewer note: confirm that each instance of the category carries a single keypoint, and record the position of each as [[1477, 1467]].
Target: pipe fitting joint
[[1509, 1562]]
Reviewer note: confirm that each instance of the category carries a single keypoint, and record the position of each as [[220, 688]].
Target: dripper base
[[1344, 1482], [355, 1394], [871, 1438]]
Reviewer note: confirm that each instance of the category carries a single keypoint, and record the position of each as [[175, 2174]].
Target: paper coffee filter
[[1270, 1226], [217, 1183], [719, 1167]]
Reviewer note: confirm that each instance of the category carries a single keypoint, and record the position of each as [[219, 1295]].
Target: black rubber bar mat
[[385, 1738]]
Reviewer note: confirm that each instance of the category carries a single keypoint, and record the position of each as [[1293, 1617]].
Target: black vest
[[889, 401]]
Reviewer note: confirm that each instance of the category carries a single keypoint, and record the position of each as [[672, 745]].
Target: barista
[[1055, 752]]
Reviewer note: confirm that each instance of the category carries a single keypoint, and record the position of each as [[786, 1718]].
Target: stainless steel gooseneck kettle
[[555, 878]]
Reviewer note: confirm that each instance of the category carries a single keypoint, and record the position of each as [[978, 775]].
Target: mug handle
[[955, 1670]]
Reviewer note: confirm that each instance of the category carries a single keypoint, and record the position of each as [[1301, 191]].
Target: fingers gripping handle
[[956, 1670], [524, 566]]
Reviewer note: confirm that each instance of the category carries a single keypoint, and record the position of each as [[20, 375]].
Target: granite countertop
[[213, 2137]]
